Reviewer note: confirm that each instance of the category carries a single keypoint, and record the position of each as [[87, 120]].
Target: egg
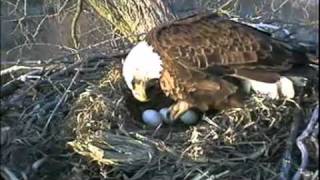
[[152, 117], [189, 117], [165, 114]]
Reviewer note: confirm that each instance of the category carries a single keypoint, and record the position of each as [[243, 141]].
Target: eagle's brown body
[[201, 53]]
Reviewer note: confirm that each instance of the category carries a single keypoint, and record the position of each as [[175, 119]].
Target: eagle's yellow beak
[[139, 91]]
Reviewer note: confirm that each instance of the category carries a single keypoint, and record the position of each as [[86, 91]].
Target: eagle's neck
[[152, 60]]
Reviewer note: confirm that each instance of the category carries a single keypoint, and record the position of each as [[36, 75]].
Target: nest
[[246, 143], [62, 119], [101, 122]]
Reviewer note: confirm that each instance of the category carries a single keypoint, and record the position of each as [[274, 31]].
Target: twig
[[62, 7], [7, 173], [14, 84], [10, 87], [27, 88], [25, 8], [9, 3], [21, 63], [16, 68], [60, 101], [74, 25], [226, 4], [74, 52], [87, 48], [36, 32], [23, 115], [287, 157], [219, 175], [67, 69], [202, 174], [72, 66], [39, 15], [41, 44], [280, 6], [306, 133]]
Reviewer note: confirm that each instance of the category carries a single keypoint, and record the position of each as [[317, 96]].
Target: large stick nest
[[72, 117], [247, 142]]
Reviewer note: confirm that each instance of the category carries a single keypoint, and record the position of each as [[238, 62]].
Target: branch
[[41, 44], [64, 96], [302, 147], [74, 25], [17, 68]]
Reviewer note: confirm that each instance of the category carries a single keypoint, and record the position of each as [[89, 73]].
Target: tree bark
[[132, 18]]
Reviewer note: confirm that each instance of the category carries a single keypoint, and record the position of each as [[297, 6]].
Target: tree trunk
[[132, 18]]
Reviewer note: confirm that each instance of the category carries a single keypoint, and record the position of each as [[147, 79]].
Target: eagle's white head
[[140, 68]]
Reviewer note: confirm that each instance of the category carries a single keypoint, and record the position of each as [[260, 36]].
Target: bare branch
[[44, 130], [274, 9], [41, 44], [36, 32], [74, 25], [16, 68]]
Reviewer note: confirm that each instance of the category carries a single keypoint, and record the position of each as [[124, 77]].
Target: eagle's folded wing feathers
[[196, 52], [216, 41]]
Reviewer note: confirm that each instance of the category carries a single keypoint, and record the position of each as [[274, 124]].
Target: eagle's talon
[[173, 113], [176, 110]]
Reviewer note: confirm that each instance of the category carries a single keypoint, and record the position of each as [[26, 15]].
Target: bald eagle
[[206, 61]]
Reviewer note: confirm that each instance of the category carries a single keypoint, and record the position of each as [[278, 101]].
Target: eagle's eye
[[135, 81]]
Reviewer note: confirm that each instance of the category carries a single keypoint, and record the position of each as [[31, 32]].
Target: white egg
[[165, 114], [151, 117], [189, 117]]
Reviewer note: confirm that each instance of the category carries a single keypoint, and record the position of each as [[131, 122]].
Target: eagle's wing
[[217, 45], [197, 51]]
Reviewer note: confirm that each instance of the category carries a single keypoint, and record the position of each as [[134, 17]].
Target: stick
[[304, 151], [59, 103], [16, 68]]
